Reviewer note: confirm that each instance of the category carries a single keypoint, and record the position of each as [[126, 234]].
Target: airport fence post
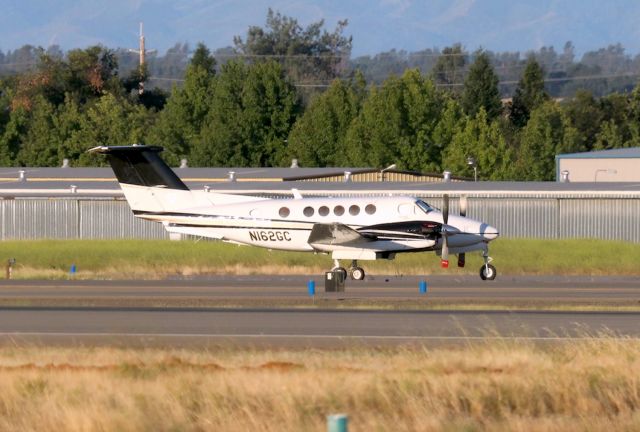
[[337, 423], [10, 263], [422, 286]]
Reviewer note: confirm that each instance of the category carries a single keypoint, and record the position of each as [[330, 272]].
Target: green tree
[[481, 139], [444, 132], [529, 94], [586, 116], [181, 121], [203, 59], [109, 121], [449, 69], [481, 88], [396, 125], [318, 137], [13, 135], [547, 134], [40, 144], [616, 129], [253, 110], [305, 53], [609, 136]]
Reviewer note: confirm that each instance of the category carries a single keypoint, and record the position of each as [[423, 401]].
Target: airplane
[[365, 228]]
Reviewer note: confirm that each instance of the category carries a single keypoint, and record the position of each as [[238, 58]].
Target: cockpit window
[[424, 206]]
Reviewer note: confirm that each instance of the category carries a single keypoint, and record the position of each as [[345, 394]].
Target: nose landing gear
[[487, 271]]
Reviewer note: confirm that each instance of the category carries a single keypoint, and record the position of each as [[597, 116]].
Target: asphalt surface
[[378, 287], [294, 327]]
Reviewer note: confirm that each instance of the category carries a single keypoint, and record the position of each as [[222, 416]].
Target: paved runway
[[128, 323], [295, 327], [295, 287]]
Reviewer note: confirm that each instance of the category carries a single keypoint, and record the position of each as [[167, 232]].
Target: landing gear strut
[[487, 271], [336, 267]]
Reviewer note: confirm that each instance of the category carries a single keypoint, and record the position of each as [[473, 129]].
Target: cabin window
[[323, 211], [284, 212], [354, 210], [308, 211], [370, 209], [338, 210]]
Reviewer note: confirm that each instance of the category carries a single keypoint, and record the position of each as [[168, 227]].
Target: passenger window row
[[338, 210]]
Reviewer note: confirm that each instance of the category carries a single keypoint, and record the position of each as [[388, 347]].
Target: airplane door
[[406, 210]]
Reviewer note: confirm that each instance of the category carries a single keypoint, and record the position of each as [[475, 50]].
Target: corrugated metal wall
[[536, 217], [611, 219], [39, 218], [109, 219]]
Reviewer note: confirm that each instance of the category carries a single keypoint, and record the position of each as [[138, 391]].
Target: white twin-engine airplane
[[348, 228]]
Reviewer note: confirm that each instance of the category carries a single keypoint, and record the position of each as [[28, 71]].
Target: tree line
[[240, 112]]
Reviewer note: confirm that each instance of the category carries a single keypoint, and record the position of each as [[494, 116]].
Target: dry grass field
[[592, 385]]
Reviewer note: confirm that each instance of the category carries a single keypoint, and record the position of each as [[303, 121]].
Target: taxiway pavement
[[128, 323]]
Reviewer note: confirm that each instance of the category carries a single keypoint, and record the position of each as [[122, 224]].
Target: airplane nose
[[490, 233]]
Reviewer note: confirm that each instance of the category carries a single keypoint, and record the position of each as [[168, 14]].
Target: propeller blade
[[445, 208], [463, 205], [445, 240], [445, 251], [461, 259]]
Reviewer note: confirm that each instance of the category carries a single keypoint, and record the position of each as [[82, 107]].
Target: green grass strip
[[153, 259]]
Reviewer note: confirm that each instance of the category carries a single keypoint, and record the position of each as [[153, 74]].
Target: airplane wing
[[345, 242], [337, 234]]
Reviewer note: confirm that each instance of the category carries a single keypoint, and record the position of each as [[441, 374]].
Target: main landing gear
[[487, 271], [357, 273]]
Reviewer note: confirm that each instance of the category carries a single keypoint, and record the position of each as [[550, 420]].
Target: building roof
[[110, 189], [622, 153], [198, 174]]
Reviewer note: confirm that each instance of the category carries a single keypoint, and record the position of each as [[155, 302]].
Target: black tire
[[357, 273], [343, 271], [488, 275]]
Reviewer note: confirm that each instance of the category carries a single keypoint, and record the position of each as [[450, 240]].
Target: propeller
[[444, 261], [463, 213]]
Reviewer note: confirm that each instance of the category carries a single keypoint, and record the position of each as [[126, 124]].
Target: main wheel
[[488, 272], [357, 273]]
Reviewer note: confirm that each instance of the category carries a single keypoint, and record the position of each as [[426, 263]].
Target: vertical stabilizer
[[141, 166], [149, 185]]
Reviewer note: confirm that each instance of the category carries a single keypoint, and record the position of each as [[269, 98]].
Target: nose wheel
[[487, 271]]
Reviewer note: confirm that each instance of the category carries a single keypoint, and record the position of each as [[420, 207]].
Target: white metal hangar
[[617, 165]]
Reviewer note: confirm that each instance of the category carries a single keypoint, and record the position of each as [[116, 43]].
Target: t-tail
[[151, 186]]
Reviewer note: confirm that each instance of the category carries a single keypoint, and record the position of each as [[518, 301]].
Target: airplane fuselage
[[394, 224]]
